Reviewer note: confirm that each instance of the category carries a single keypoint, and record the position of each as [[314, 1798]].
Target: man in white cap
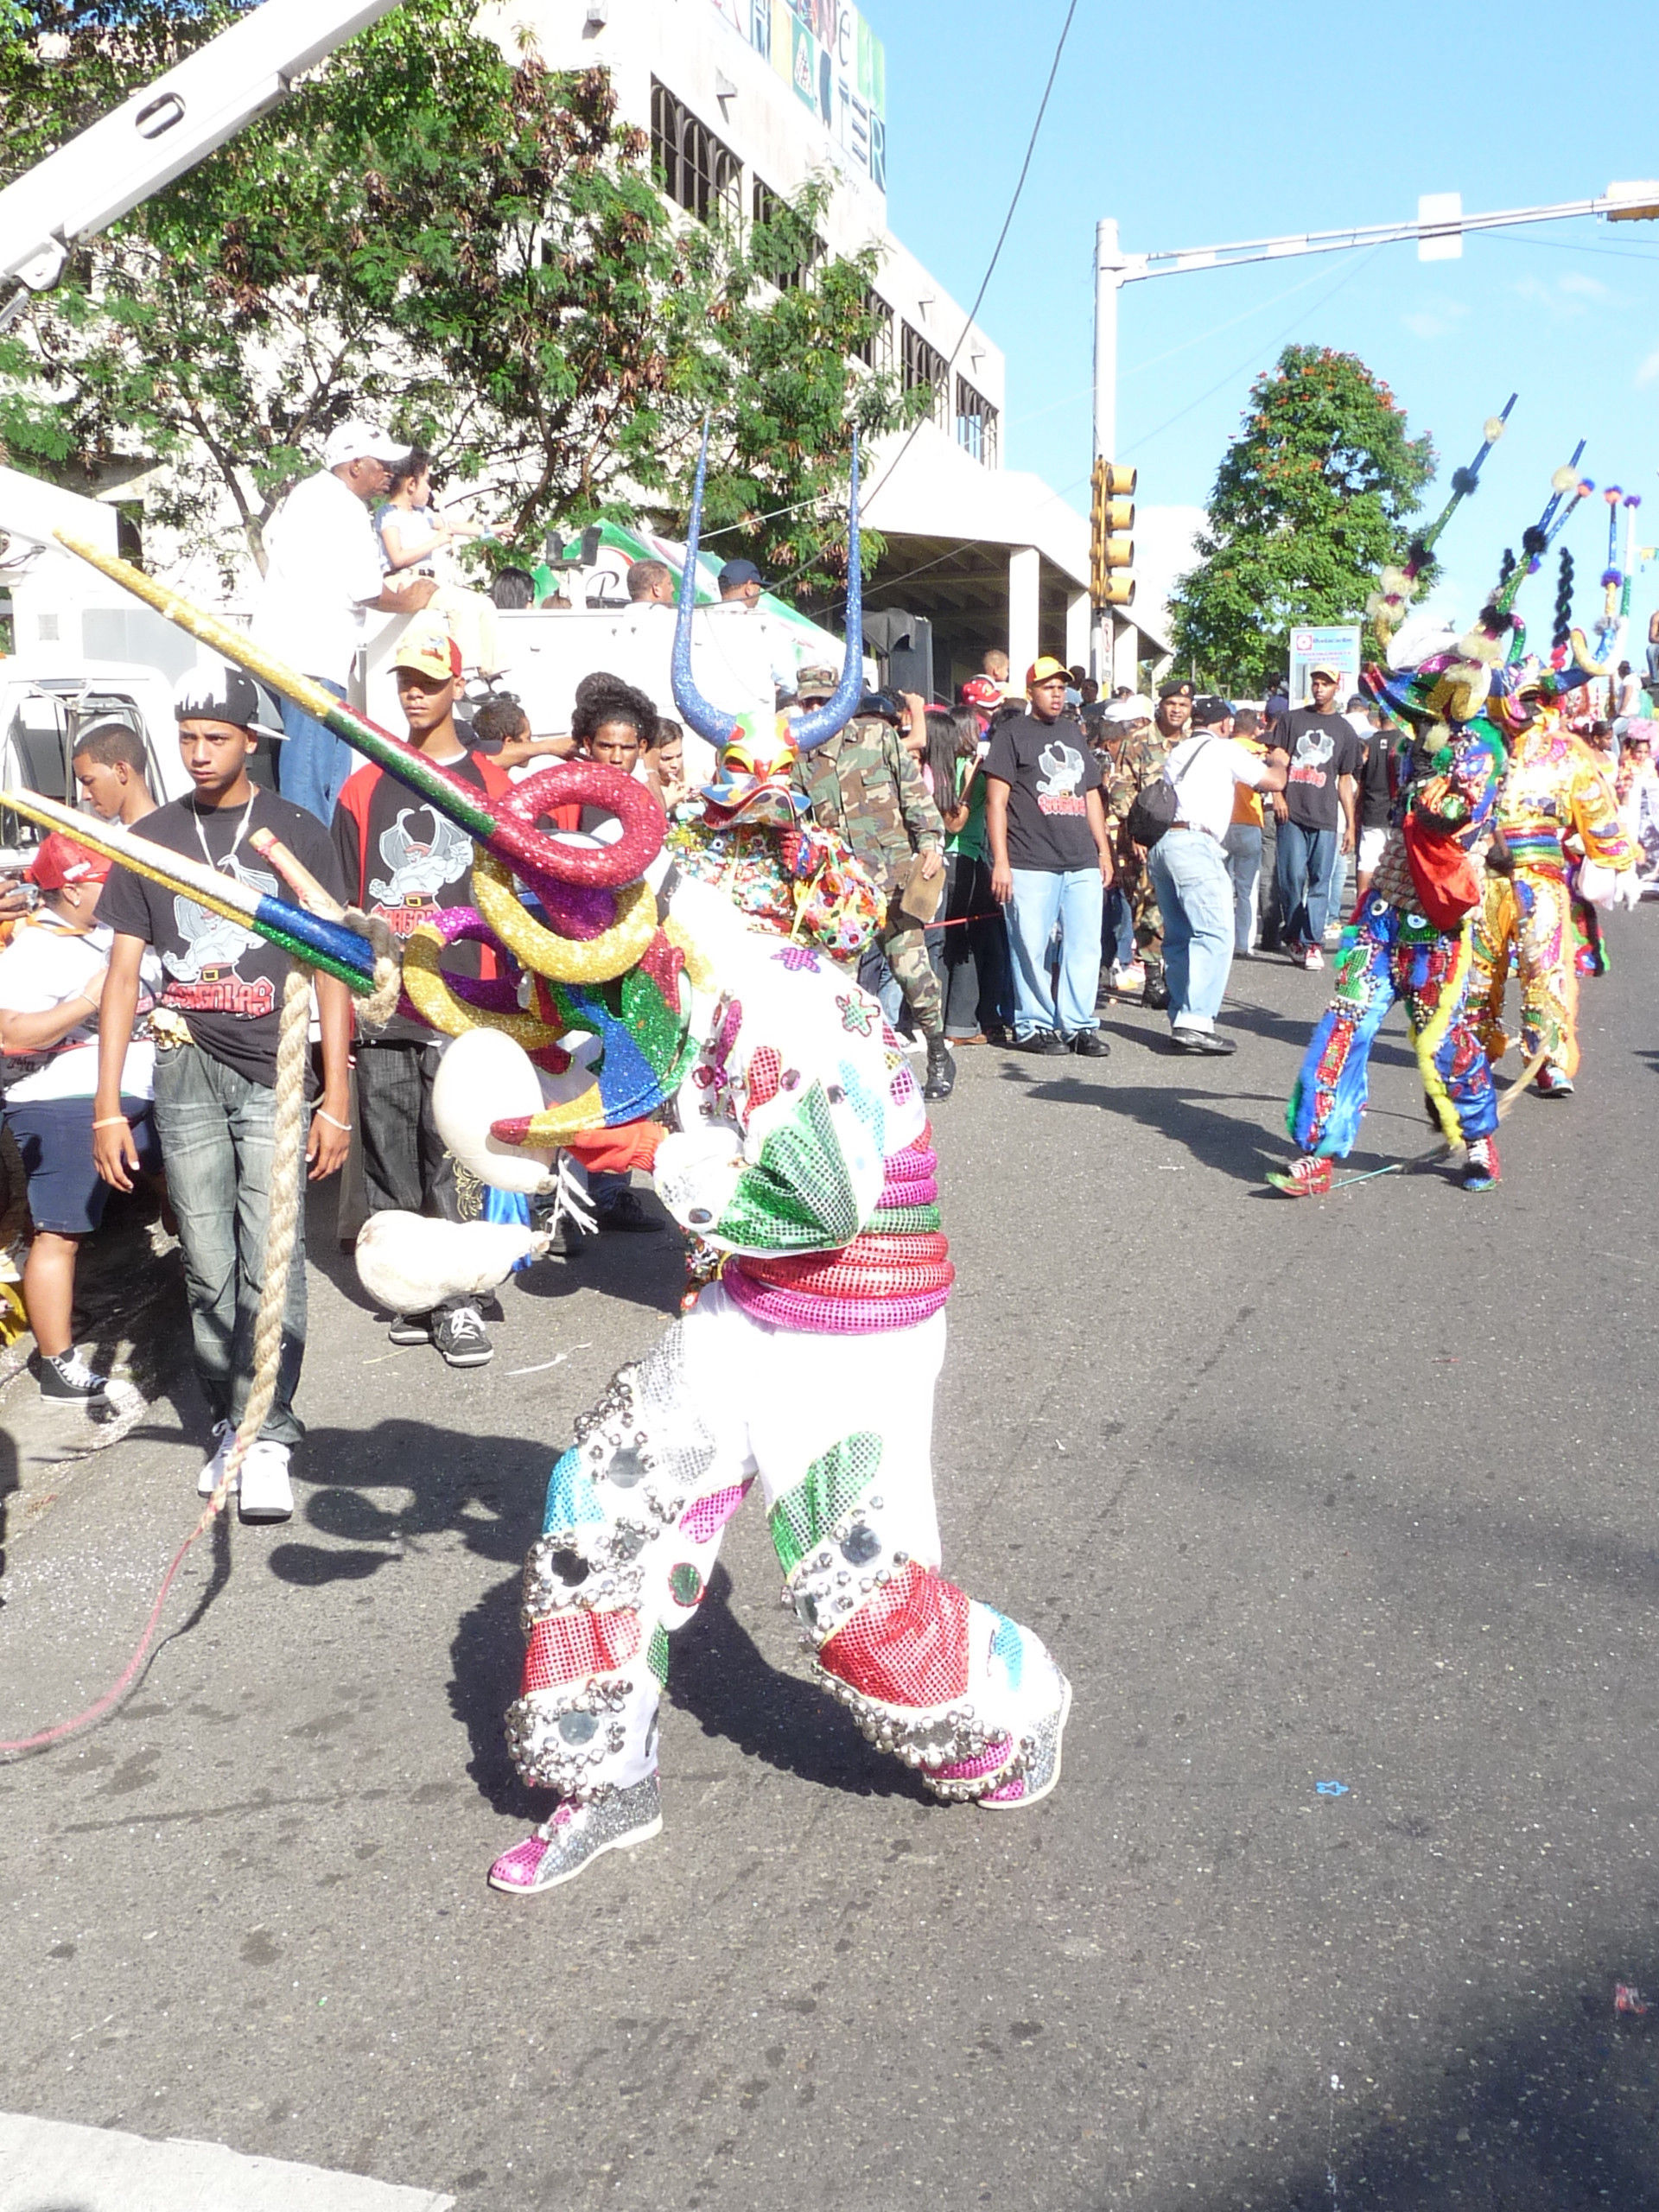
[[322, 572]]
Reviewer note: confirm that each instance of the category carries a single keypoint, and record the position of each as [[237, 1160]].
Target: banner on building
[[836, 63]]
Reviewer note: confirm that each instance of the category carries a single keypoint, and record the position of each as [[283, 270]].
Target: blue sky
[[1195, 124]]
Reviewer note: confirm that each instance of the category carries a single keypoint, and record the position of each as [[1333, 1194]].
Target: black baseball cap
[[1179, 687], [1211, 710], [738, 572]]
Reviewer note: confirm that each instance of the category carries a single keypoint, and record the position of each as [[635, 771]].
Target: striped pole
[[308, 938]]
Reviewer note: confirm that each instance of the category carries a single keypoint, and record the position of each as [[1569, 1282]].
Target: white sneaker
[[213, 1467], [267, 1494]]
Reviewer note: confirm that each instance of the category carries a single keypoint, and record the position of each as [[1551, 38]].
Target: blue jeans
[[215, 1129], [312, 762], [1074, 898], [1117, 933], [1195, 897], [1304, 869], [1242, 846]]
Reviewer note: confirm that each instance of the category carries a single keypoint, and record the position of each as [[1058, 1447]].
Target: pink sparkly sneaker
[[577, 1834], [1307, 1177], [1042, 1767]]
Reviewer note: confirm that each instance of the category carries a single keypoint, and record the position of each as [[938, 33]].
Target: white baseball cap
[[360, 441]]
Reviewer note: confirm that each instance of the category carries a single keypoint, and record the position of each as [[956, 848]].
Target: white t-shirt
[[1204, 769], [44, 964], [323, 569]]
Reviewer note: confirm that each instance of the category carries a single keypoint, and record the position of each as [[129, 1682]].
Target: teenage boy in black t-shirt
[[1051, 861], [216, 1068], [402, 859], [1315, 815]]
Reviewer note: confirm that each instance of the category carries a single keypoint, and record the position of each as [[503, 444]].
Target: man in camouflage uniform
[[863, 783], [1142, 763]]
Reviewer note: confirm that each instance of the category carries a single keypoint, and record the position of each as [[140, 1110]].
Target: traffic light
[[1111, 550]]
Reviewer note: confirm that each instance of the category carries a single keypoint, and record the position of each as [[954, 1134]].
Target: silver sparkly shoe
[[577, 1834], [1041, 1769]]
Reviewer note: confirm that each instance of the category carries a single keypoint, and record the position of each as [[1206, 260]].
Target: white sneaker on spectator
[[267, 1494], [213, 1465], [1313, 957]]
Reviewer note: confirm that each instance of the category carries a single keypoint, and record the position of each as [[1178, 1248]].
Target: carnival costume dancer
[[1560, 848], [1410, 938], [803, 1157]]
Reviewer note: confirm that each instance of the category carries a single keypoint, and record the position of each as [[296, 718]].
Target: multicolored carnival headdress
[[1388, 604], [758, 751]]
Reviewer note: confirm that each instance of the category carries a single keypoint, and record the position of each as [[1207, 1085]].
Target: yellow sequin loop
[[429, 993], [567, 960]]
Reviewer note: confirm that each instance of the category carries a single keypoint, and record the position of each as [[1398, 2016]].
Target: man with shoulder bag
[[1188, 819]]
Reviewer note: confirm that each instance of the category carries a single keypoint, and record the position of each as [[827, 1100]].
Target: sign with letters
[[826, 52], [1334, 646]]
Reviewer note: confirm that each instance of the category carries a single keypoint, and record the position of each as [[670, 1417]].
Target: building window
[[975, 424], [765, 206], [698, 173], [876, 352], [920, 364]]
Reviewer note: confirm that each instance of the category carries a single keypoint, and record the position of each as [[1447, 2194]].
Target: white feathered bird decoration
[[408, 1264]]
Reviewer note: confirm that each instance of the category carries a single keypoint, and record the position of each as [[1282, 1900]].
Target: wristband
[[322, 1116], [109, 1120]]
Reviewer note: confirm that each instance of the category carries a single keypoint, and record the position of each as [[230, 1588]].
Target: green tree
[[470, 246], [1315, 495]]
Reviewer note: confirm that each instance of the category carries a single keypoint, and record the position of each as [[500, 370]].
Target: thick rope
[[375, 1011], [287, 1196]]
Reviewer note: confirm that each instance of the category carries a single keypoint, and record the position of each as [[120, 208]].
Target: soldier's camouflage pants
[[903, 944]]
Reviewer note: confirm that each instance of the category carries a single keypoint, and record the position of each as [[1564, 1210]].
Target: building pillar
[[1025, 609], [1076, 629]]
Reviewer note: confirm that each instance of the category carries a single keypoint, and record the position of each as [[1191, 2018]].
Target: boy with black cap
[[402, 859], [216, 1033]]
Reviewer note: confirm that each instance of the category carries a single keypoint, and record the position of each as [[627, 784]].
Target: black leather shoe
[[1043, 1041], [1156, 995], [1202, 1040], [1089, 1045], [941, 1070]]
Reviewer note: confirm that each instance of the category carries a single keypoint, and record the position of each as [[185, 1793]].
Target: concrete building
[[746, 99]]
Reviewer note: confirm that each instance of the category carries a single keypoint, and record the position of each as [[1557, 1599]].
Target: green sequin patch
[[907, 1220], [657, 1654], [832, 1484], [797, 1196]]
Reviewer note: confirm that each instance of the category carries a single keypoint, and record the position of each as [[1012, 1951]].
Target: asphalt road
[[1358, 1491]]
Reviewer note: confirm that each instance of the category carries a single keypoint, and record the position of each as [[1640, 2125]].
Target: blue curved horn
[[693, 709], [819, 725]]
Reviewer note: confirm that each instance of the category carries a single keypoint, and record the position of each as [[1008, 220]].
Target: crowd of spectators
[[1043, 854]]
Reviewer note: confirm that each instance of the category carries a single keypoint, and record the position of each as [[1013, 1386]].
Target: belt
[[1199, 828]]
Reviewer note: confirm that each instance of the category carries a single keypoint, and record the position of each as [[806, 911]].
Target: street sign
[[1335, 645]]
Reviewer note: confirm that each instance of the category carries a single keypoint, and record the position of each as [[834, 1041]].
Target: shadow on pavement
[[1535, 2108], [719, 1677]]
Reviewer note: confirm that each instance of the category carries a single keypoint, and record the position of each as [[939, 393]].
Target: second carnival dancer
[[803, 1161], [1556, 854], [1411, 937]]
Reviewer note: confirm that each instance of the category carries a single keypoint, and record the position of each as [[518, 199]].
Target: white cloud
[[1578, 286], [1649, 369], [1436, 323]]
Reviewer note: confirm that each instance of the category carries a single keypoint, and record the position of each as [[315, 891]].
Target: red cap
[[58, 859], [981, 691]]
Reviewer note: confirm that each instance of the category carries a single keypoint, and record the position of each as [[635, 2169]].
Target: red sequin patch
[[765, 1068], [569, 1647], [908, 1645]]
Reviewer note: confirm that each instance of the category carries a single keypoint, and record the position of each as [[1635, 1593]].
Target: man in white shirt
[[322, 573], [1188, 866]]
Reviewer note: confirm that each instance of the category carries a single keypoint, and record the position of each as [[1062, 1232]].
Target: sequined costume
[[1392, 951], [798, 880], [805, 1156], [1557, 811]]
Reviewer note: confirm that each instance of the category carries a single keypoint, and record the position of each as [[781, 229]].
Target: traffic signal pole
[[1108, 275], [1437, 230]]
